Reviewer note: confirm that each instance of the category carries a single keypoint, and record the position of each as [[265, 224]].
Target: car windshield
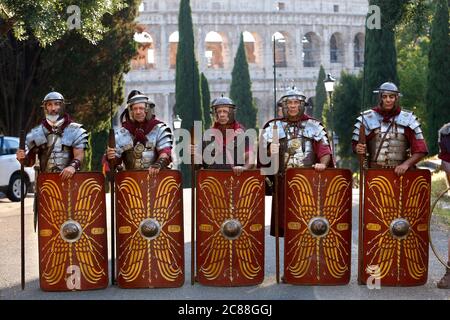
[[8, 145]]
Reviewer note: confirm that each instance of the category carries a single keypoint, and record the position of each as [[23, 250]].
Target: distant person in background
[[444, 155]]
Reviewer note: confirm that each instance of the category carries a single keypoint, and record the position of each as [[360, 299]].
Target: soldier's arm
[[28, 159]]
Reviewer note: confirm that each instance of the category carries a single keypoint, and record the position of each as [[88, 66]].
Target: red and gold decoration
[[318, 227], [395, 221], [230, 228], [150, 239], [72, 232]]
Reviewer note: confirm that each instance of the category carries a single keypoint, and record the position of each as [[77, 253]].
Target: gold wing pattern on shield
[[219, 207], [58, 253], [387, 249], [304, 245], [86, 212], [165, 247], [139, 249], [133, 211], [248, 248], [216, 210]]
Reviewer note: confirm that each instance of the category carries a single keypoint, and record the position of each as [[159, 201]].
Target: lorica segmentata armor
[[389, 147], [56, 146]]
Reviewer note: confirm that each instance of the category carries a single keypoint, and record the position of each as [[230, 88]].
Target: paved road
[[268, 290]]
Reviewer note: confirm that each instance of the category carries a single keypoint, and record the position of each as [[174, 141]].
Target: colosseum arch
[[311, 50], [358, 50], [280, 49], [336, 48], [214, 50], [145, 57], [254, 47], [173, 48]]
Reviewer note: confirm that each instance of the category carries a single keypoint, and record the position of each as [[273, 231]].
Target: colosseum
[[297, 36]]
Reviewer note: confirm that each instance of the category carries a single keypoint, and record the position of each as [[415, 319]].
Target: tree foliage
[[241, 88], [321, 95], [380, 58], [437, 92], [346, 108], [47, 20], [206, 98], [77, 63], [187, 82]]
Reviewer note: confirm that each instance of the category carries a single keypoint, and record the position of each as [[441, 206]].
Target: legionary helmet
[[54, 96], [388, 87], [224, 102], [293, 94], [137, 97]]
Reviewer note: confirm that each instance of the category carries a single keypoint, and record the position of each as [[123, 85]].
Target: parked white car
[[10, 170]]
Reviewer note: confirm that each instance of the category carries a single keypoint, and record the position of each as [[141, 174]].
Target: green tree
[[321, 95], [34, 38], [346, 108], [380, 57], [241, 88], [206, 98], [187, 82], [437, 93]]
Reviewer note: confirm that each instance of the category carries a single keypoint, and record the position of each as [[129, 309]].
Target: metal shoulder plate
[[408, 119], [444, 131], [36, 137], [315, 130], [268, 130], [162, 136], [371, 120], [75, 136], [124, 141]]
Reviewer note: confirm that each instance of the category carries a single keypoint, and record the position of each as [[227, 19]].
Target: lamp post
[[329, 87], [176, 122], [275, 38]]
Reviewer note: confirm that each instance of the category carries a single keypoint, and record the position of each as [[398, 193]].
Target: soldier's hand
[[274, 148], [67, 173], [20, 155], [238, 170], [319, 167], [110, 153], [153, 171], [361, 148], [401, 169]]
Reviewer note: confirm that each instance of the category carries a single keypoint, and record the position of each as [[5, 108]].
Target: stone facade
[[308, 34]]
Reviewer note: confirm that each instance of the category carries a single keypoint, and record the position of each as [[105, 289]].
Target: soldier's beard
[[54, 120]]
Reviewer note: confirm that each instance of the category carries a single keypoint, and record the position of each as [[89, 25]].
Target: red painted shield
[[230, 228], [72, 232], [395, 228], [318, 227], [149, 229]]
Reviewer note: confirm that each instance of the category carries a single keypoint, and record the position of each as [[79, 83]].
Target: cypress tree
[[321, 95], [206, 98], [241, 88], [187, 82], [437, 95], [346, 108], [380, 56]]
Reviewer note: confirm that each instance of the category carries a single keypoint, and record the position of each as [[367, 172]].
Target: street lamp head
[[329, 83], [177, 122]]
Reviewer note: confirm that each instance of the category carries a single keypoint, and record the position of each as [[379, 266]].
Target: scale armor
[[139, 156], [297, 149]]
